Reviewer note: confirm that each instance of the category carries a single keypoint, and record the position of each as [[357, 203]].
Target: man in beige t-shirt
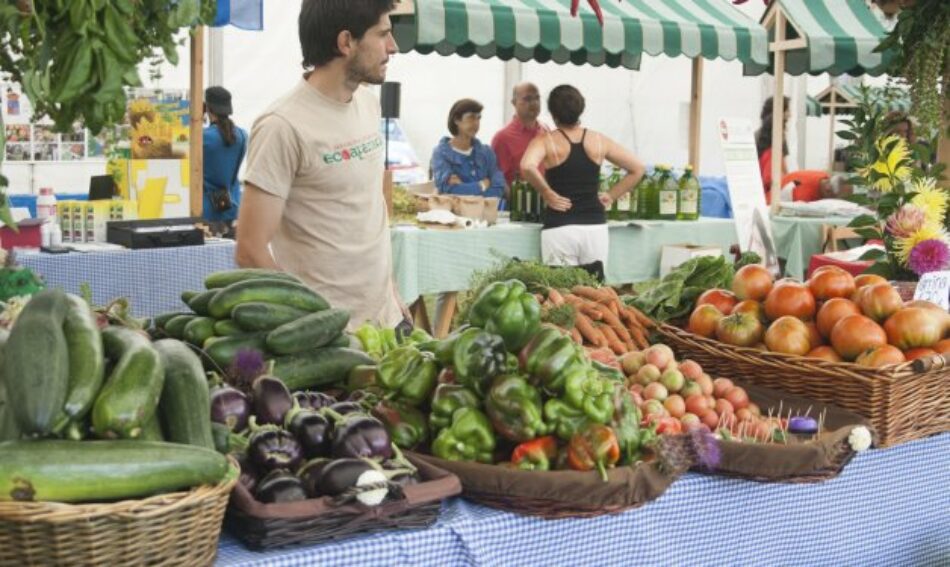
[[313, 202]]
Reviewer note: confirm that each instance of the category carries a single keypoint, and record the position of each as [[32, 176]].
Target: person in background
[[575, 221], [763, 145], [510, 142], [899, 123], [461, 164], [224, 146]]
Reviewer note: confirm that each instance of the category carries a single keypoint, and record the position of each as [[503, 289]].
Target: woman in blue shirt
[[462, 165], [224, 147]]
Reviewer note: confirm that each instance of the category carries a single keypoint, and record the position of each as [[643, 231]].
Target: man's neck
[[530, 125], [332, 82]]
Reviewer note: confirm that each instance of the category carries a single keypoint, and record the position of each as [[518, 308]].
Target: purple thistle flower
[[929, 256], [706, 447]]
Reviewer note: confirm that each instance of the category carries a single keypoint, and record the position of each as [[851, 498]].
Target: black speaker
[[389, 100]]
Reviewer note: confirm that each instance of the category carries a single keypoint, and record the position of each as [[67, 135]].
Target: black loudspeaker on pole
[[389, 101]]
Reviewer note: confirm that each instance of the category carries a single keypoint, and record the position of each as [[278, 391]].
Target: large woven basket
[[176, 529], [903, 402]]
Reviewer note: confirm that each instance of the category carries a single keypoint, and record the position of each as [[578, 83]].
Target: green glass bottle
[[623, 202], [515, 206], [690, 196], [645, 196], [667, 192]]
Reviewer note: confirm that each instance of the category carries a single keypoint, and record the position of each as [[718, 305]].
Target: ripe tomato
[[831, 283], [944, 316], [880, 301], [914, 327], [881, 356], [943, 346], [722, 299], [740, 329], [868, 279], [790, 299], [789, 335], [669, 425], [824, 353], [738, 397], [753, 281], [833, 311], [814, 337], [855, 334], [750, 306], [703, 320], [919, 352]]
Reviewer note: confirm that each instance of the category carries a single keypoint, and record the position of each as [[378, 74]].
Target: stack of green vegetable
[[672, 296], [55, 385], [269, 312]]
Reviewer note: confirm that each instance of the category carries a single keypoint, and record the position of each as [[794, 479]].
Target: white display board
[[749, 210]]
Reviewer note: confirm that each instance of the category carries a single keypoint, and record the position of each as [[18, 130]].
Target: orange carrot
[[591, 293], [613, 341], [638, 338], [614, 322], [555, 296], [586, 327], [576, 335], [641, 318]]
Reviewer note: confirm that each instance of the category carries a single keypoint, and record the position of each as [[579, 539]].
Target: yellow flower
[[903, 246], [930, 198], [892, 165]]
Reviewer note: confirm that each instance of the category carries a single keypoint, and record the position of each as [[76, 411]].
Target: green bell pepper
[[405, 424], [370, 339], [514, 406], [591, 393], [507, 309], [448, 398], [363, 377], [387, 337], [563, 419], [476, 357], [626, 425], [408, 374], [553, 361], [609, 372], [469, 438]]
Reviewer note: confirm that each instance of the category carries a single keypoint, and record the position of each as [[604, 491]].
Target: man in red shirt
[[511, 141]]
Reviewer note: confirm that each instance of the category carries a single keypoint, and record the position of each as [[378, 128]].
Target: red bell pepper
[[535, 455], [593, 447]]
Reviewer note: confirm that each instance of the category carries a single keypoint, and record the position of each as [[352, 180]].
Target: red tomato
[[824, 353], [752, 307], [855, 334], [753, 281], [880, 301], [790, 299], [885, 355], [944, 316], [703, 320], [943, 346], [675, 405], [814, 337], [738, 397], [721, 299], [696, 404], [740, 329], [669, 425], [914, 327], [789, 335], [721, 386], [919, 352], [831, 283], [710, 418], [833, 311], [868, 279]]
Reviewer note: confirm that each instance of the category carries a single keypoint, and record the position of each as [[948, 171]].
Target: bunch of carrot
[[601, 319]]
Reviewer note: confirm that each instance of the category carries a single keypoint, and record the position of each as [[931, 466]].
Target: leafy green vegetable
[[672, 296]]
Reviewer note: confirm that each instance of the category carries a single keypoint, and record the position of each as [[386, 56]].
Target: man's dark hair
[[321, 22], [763, 136], [459, 109], [566, 104]]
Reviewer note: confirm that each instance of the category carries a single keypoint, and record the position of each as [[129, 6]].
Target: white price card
[[934, 287]]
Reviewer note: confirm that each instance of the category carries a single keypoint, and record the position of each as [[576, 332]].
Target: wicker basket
[[903, 402], [180, 528], [265, 526]]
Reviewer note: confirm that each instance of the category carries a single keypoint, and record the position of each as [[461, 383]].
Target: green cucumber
[[152, 430], [159, 321], [341, 340], [175, 327], [319, 367], [226, 278], [36, 363], [199, 303], [227, 328], [8, 426], [97, 471], [259, 316], [187, 296], [130, 397], [86, 362], [222, 350], [267, 290], [311, 331], [198, 330], [185, 407]]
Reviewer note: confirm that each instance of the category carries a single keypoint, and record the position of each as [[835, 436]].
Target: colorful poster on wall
[[159, 123]]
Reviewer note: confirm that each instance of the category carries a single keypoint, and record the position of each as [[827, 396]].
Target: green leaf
[[862, 220], [846, 135], [869, 233], [873, 254], [881, 269]]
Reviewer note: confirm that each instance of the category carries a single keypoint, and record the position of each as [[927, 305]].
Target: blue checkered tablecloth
[[888, 507]]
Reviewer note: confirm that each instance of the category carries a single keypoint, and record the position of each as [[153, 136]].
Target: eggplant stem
[[401, 459], [332, 413]]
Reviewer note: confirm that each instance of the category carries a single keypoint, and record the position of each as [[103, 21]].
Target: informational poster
[[158, 121], [934, 287], [402, 158], [749, 210]]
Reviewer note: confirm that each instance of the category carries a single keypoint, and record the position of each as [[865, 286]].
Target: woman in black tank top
[[575, 219]]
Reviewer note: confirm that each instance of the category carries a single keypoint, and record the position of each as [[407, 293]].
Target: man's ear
[[344, 42]]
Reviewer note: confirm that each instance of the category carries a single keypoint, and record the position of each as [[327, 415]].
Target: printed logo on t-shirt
[[358, 151]]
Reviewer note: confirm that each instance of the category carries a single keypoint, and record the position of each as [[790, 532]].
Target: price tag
[[934, 287]]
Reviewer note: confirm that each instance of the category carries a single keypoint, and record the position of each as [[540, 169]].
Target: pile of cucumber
[[63, 381], [270, 312]]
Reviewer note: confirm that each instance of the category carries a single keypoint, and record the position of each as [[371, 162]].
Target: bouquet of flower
[[911, 214]]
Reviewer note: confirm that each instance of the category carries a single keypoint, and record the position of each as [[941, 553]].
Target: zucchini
[[186, 296], [86, 362], [152, 430], [222, 350], [185, 406], [227, 328], [175, 327], [228, 277], [198, 330], [199, 303], [159, 321], [311, 331], [36, 363], [259, 316], [319, 367], [96, 471], [130, 397], [267, 290]]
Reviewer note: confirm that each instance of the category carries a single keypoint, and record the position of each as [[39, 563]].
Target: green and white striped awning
[[840, 38], [847, 98], [544, 30]]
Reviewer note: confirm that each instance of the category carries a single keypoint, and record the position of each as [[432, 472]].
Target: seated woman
[[461, 164], [575, 220]]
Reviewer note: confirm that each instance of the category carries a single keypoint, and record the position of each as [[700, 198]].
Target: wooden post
[[778, 112], [831, 131], [695, 113], [196, 125]]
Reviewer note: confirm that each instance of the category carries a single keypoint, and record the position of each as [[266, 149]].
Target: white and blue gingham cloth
[[888, 507]]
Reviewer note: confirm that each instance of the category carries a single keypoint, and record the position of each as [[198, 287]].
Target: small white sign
[[934, 287]]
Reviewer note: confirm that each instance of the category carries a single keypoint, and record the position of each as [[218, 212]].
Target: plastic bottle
[[46, 204], [667, 192], [46, 234], [56, 234], [690, 196]]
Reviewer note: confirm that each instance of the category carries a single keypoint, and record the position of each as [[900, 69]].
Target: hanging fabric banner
[[244, 14]]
